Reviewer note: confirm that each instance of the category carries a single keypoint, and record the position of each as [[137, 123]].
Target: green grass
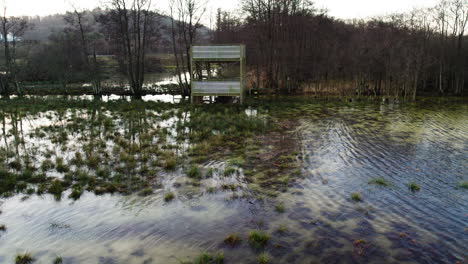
[[58, 260], [238, 161], [170, 163], [463, 185], [146, 192], [229, 171], [413, 187], [207, 258], [56, 188], [232, 239], [25, 258], [169, 197], [258, 239], [282, 229], [355, 196], [209, 173], [194, 172], [47, 164], [263, 258], [76, 193], [379, 181], [280, 208], [60, 166]]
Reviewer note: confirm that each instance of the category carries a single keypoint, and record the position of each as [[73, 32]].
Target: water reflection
[[339, 151]]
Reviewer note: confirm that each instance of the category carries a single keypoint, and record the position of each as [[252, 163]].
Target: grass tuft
[[194, 172], [169, 197], [280, 208], [414, 187], [263, 258], [355, 196], [232, 239], [258, 239], [146, 192], [25, 258], [379, 181], [58, 260]]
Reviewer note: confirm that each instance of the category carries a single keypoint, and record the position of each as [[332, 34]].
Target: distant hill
[[46, 25]]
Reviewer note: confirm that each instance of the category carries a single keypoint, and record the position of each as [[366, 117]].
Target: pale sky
[[338, 8]]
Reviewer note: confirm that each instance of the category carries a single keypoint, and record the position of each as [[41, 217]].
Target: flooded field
[[283, 181]]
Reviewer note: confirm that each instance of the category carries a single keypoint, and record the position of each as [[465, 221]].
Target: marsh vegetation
[[289, 179]]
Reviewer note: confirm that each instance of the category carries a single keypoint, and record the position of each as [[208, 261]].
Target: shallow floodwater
[[340, 149]]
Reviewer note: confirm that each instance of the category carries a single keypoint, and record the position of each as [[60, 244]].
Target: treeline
[[293, 47], [90, 46]]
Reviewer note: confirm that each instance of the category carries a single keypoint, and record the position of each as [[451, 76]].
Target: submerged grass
[[379, 181], [280, 208], [207, 258], [232, 239]]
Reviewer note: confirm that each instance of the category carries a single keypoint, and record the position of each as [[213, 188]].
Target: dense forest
[[292, 47]]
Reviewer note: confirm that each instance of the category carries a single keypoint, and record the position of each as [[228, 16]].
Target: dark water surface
[[336, 150]]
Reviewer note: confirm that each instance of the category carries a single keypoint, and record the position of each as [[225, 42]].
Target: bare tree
[[135, 28], [185, 23], [79, 21], [12, 29]]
